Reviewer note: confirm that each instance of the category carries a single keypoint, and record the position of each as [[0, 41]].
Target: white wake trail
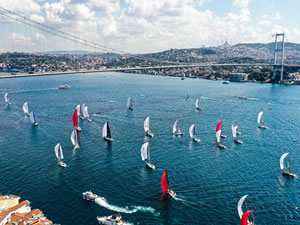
[[127, 209]]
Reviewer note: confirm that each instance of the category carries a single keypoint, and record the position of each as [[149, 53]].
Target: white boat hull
[[238, 141], [262, 127], [223, 136], [108, 139], [149, 165], [288, 174], [221, 146], [149, 134], [78, 129], [171, 193], [196, 139], [36, 124], [62, 164]]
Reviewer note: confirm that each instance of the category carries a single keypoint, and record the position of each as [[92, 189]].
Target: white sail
[[25, 108], [197, 103], [192, 130], [73, 138], [144, 151], [282, 160], [82, 107], [104, 130], [175, 127], [128, 102], [147, 124], [32, 117], [240, 204], [234, 130], [85, 112], [259, 117], [58, 152], [6, 98], [78, 110], [218, 136]]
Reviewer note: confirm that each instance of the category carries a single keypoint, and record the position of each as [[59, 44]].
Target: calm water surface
[[209, 182]]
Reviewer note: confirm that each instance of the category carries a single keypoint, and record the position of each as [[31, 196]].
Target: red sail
[[164, 182], [244, 220], [75, 118], [218, 126]]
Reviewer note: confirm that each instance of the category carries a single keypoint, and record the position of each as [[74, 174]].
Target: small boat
[[145, 153], [32, 118], [244, 216], [243, 97], [166, 186], [218, 136], [176, 130], [187, 95], [219, 126], [75, 119], [197, 104], [110, 220], [288, 172], [106, 132], [260, 121], [6, 98], [234, 134], [129, 104], [75, 138], [59, 155], [25, 108], [147, 127], [192, 132], [65, 86], [86, 114], [88, 195], [225, 82]]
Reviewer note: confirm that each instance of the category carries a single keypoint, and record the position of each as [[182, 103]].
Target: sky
[[141, 26]]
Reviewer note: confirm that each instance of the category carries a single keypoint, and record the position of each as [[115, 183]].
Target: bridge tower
[[278, 54]]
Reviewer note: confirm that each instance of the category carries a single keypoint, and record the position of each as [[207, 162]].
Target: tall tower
[[278, 54]]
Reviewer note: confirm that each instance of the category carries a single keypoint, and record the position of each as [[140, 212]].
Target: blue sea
[[208, 181]]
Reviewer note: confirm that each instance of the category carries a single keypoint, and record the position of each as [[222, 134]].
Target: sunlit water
[[209, 182]]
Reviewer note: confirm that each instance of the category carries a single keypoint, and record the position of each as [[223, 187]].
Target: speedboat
[[110, 220], [65, 86], [243, 97], [88, 195]]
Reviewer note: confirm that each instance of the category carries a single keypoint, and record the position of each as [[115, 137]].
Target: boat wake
[[203, 97], [253, 98], [127, 209], [33, 90]]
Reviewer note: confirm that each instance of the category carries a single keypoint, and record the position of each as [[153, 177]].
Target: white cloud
[[241, 3]]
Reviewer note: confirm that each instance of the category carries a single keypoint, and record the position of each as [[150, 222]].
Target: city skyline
[[137, 26]]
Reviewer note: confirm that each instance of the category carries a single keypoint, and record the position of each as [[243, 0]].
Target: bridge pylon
[[278, 55]]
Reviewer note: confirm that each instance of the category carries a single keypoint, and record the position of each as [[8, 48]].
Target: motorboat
[[225, 82], [110, 220], [65, 86], [88, 195], [243, 97]]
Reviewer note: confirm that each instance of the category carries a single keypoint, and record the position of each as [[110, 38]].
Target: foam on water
[[127, 209]]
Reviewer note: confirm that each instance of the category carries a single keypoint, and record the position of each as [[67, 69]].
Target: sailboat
[[234, 134], [145, 153], [218, 136], [129, 104], [6, 98], [86, 113], [288, 172], [192, 132], [260, 121], [75, 120], [75, 138], [219, 127], [32, 118], [106, 132], [59, 155], [244, 216], [25, 108], [81, 112], [147, 127], [176, 130], [166, 186], [197, 104]]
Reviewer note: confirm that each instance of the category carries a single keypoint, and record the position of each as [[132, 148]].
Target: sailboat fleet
[[82, 113]]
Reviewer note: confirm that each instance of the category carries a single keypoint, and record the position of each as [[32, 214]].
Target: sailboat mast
[[288, 166]]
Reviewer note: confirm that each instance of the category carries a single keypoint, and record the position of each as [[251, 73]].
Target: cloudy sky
[[139, 26]]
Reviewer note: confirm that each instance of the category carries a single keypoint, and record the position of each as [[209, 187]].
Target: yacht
[[88, 195], [110, 220], [65, 86]]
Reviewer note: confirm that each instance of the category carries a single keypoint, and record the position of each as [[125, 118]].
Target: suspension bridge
[[22, 34]]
